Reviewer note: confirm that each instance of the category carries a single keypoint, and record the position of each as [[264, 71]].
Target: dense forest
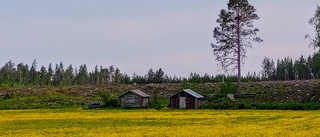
[[57, 75], [289, 69], [21, 74]]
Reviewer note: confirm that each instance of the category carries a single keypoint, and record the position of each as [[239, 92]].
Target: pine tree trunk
[[239, 69], [239, 55]]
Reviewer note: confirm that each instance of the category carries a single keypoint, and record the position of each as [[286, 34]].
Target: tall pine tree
[[234, 35]]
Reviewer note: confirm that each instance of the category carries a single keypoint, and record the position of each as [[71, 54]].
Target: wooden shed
[[186, 98], [134, 98]]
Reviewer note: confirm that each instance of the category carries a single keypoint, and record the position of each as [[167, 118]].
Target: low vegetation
[[301, 95], [109, 100]]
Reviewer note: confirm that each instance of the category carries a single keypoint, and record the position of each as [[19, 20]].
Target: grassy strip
[[268, 105]]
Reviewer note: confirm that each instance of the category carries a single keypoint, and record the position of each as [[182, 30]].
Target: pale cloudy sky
[[136, 35]]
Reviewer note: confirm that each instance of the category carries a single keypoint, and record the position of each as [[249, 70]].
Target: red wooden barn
[[186, 98]]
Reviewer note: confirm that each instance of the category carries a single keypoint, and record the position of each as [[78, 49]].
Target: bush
[[159, 103], [109, 100], [226, 88]]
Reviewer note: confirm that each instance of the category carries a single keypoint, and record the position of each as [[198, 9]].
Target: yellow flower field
[[78, 122]]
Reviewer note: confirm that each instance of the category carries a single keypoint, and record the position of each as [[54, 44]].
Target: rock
[[230, 96], [312, 98]]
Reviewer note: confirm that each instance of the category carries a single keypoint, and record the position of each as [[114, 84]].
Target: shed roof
[[137, 92], [191, 92]]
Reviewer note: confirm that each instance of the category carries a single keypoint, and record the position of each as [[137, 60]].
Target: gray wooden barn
[[134, 98], [186, 98]]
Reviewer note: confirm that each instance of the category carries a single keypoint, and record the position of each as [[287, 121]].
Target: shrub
[[159, 103], [109, 100], [226, 88]]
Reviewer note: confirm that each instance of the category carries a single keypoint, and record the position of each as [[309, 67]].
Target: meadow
[[150, 122]]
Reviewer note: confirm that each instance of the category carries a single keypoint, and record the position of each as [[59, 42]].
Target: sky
[[136, 35]]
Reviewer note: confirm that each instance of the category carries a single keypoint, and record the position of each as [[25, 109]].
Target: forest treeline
[[289, 69], [57, 75]]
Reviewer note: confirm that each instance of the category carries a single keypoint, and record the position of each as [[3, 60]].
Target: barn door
[[182, 101]]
